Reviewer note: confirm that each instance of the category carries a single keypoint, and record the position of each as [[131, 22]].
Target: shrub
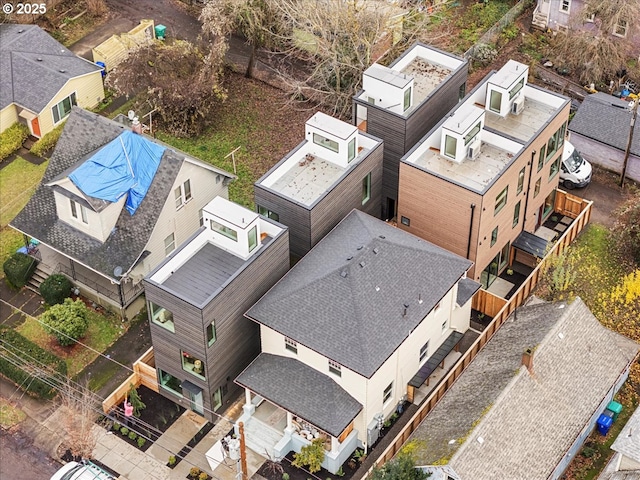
[[194, 472], [13, 359], [48, 141], [67, 321], [18, 269], [626, 231], [203, 476], [310, 455], [124, 431], [12, 139], [285, 476], [55, 289], [172, 460], [132, 435], [116, 426], [141, 442]]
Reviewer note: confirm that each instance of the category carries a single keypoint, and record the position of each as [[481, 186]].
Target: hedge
[[48, 141], [55, 289], [18, 269], [30, 359], [12, 139]]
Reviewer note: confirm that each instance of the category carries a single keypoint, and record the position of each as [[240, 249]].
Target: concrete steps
[[39, 275], [261, 438], [539, 21]]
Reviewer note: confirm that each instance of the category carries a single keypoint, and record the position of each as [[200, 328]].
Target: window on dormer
[[407, 98], [79, 212], [514, 91], [450, 145], [468, 138]]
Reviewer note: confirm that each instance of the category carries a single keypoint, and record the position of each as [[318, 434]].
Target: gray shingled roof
[[301, 390], [606, 119], [628, 441], [466, 289], [529, 420], [84, 133], [345, 299], [34, 66]]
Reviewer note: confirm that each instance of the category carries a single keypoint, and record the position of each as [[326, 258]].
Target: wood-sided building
[[402, 102], [335, 169], [485, 178], [197, 299]]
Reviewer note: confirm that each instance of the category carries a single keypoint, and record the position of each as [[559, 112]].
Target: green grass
[[10, 415], [232, 131], [10, 241], [102, 332], [18, 181]]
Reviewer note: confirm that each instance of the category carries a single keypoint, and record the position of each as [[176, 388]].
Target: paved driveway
[[25, 300]]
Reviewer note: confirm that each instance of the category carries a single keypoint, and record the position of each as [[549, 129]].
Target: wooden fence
[[566, 204], [144, 373]]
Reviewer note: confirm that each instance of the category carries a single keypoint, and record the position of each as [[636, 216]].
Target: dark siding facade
[[308, 225], [401, 133], [237, 338]]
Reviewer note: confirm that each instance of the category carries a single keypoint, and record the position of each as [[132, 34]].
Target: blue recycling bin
[[104, 68], [604, 424]]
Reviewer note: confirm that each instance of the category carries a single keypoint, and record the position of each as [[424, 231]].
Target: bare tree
[[183, 83], [80, 406], [253, 19], [599, 43]]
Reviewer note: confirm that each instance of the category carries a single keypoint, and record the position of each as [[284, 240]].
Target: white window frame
[[75, 206], [445, 325], [624, 27], [224, 230], [73, 96], [590, 18], [182, 194], [565, 6], [169, 246], [387, 394], [325, 142], [424, 353]]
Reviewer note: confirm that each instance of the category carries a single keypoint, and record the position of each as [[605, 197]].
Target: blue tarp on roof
[[127, 164]]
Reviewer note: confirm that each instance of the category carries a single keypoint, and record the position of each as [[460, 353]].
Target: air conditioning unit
[[518, 105], [474, 149], [373, 432]]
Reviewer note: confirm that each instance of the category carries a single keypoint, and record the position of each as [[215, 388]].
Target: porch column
[[248, 408], [289, 429], [335, 444]]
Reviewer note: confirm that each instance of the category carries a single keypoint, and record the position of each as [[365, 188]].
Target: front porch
[[288, 405]]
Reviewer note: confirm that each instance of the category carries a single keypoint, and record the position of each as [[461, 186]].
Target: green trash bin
[[616, 408], [160, 31]]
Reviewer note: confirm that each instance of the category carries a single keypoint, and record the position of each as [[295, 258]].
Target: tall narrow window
[[445, 325], [201, 217], [74, 209], [516, 214], [79, 212], [541, 157], [536, 189], [386, 395], [407, 98], [462, 91], [555, 166], [178, 196], [187, 191], [450, 144], [253, 238], [351, 149], [501, 200], [424, 352], [211, 333], [495, 101], [169, 244], [494, 236], [521, 180], [366, 188], [217, 399]]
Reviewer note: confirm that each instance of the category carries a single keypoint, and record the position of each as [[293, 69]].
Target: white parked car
[[575, 171], [81, 471]]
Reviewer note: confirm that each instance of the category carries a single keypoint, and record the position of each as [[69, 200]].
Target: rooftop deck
[[522, 127], [306, 180], [427, 75], [473, 174]]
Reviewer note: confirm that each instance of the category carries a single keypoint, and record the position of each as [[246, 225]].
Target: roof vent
[[362, 264], [343, 274], [382, 236], [375, 250], [20, 31], [350, 257], [377, 288], [360, 247], [62, 70], [39, 59], [406, 305]]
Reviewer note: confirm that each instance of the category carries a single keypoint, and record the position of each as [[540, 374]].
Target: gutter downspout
[[473, 208], [526, 198]]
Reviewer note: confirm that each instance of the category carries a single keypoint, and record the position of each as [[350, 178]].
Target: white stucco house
[[348, 334]]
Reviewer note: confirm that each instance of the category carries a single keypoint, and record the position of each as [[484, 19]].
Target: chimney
[[136, 126], [527, 359]]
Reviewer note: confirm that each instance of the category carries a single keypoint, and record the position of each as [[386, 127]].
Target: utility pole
[[634, 114]]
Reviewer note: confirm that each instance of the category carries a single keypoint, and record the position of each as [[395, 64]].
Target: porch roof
[[301, 390], [531, 244]]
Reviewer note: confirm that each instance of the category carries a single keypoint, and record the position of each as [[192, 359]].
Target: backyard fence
[[144, 373], [486, 303]]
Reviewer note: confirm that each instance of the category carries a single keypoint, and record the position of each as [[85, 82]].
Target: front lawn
[[103, 331]]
